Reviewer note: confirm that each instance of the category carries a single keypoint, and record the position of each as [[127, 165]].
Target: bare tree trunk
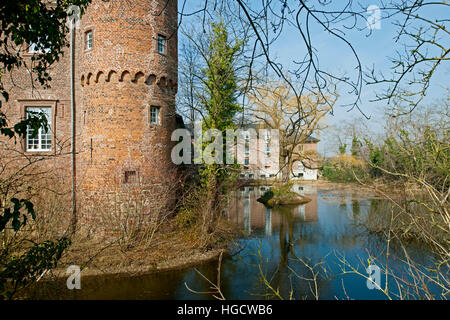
[[285, 169]]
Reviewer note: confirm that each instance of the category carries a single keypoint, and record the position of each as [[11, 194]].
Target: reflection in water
[[268, 222], [284, 220], [252, 216], [355, 206], [312, 232], [301, 212], [247, 214]]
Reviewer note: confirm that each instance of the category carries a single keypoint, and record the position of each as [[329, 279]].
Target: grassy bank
[[171, 248]]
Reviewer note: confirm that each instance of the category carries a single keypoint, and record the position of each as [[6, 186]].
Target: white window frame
[[268, 149], [157, 114], [161, 42], [41, 133], [89, 39], [32, 48]]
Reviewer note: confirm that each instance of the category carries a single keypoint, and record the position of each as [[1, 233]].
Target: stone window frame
[[86, 30], [43, 103], [166, 47], [158, 122]]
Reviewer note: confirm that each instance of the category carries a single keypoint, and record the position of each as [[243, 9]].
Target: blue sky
[[337, 58]]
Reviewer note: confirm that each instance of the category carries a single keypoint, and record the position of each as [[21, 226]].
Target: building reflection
[[280, 223], [247, 212]]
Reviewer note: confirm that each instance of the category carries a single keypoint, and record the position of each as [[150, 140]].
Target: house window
[[246, 161], [247, 148], [162, 44], [35, 48], [89, 40], [42, 141], [154, 115]]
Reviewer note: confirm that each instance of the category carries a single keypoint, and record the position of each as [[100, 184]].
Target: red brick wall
[[122, 76], [116, 83]]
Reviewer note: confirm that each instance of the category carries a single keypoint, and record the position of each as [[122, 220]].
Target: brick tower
[[127, 70]]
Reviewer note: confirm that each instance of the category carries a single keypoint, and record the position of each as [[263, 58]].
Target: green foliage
[[356, 146], [266, 197], [221, 84], [25, 269], [34, 122], [202, 210], [416, 150], [186, 218], [376, 158], [341, 173], [220, 97], [17, 272], [424, 155], [283, 190], [342, 148], [13, 214]]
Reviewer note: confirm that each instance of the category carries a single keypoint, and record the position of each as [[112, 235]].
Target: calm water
[[282, 244]]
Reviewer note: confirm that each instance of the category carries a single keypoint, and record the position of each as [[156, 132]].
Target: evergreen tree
[[221, 83], [220, 92], [356, 146]]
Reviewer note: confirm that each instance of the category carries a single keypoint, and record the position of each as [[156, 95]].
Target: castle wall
[[120, 153], [122, 77], [33, 173]]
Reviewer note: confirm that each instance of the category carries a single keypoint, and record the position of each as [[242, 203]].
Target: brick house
[[125, 72]]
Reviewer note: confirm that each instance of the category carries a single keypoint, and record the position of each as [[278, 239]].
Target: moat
[[283, 244]]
